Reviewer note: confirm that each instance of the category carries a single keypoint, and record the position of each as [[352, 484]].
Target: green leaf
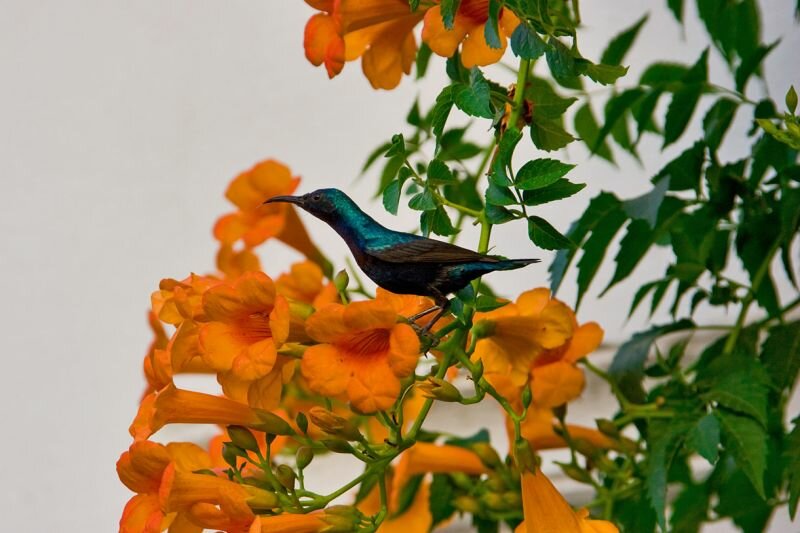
[[616, 108], [643, 113], [543, 235], [440, 499], [781, 354], [690, 509], [598, 207], [413, 4], [646, 206], [587, 128], [398, 146], [491, 29], [630, 358], [663, 74], [663, 442], [473, 99], [791, 99], [684, 172], [547, 103], [501, 165], [438, 222], [559, 190], [449, 9], [407, 494], [704, 438], [497, 195], [391, 196], [676, 6], [548, 135], [540, 173], [685, 100], [441, 110], [496, 214], [423, 59], [751, 64], [594, 249], [792, 455], [561, 61], [603, 74], [439, 173], [755, 237], [526, 43], [717, 121], [746, 441], [740, 392], [482, 435], [423, 201], [619, 45]]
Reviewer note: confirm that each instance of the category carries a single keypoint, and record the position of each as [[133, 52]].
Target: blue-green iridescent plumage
[[402, 263]]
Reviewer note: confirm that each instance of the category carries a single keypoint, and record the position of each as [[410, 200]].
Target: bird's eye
[[316, 197]]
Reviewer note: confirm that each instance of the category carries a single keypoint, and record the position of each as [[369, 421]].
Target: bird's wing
[[428, 251]]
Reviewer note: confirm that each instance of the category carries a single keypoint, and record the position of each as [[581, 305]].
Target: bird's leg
[[443, 304], [413, 318]]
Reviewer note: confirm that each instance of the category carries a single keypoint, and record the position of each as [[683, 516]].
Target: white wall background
[[122, 122]]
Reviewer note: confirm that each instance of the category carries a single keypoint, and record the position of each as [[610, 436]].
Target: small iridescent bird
[[401, 262]]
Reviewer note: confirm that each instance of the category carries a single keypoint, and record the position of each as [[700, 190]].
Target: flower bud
[[334, 424], [607, 427], [496, 483], [302, 422], [576, 473], [341, 281], [487, 454], [461, 480], [477, 374], [260, 498], [467, 504], [286, 476], [483, 328], [527, 396], [231, 453], [292, 349], [273, 424], [512, 499], [341, 519], [304, 457], [493, 501], [524, 456], [337, 445], [300, 310], [439, 389], [242, 438], [584, 447]]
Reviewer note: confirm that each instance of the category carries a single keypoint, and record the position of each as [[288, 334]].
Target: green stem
[[761, 273]]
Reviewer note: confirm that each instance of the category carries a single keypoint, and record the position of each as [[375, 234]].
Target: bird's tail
[[512, 264]]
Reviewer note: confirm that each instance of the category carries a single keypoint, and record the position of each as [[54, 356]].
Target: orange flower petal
[[476, 51], [289, 523], [187, 456], [327, 324], [587, 338], [220, 345], [403, 350], [256, 361], [556, 384], [279, 320], [442, 41], [177, 406], [370, 314], [140, 467], [142, 514], [373, 387], [322, 367], [323, 43]]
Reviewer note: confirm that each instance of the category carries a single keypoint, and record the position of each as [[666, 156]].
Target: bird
[[402, 263]]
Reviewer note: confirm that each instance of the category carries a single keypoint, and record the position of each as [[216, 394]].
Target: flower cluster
[[305, 364]]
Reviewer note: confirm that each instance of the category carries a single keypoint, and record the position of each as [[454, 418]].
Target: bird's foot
[[427, 339]]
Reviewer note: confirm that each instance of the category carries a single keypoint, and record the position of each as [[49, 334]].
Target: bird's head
[[325, 204]]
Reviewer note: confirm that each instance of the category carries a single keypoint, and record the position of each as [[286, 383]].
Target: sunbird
[[399, 262]]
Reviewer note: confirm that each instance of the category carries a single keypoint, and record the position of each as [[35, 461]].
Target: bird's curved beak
[[297, 200]]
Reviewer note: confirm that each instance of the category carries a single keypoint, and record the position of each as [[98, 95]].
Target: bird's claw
[[428, 339]]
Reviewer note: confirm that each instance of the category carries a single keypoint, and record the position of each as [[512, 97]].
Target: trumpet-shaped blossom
[[362, 355], [546, 510], [305, 282], [469, 31]]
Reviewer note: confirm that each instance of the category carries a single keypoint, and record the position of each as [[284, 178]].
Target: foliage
[[701, 429]]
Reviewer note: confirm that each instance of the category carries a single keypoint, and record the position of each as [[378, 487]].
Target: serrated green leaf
[[717, 121], [526, 43], [616, 108], [603, 74], [423, 201], [663, 442], [397, 147], [561, 61], [755, 237], [751, 64], [746, 441], [539, 173], [440, 499], [594, 249], [441, 110], [739, 392], [439, 173], [588, 130], [547, 103], [423, 60], [663, 74], [676, 6], [473, 98], [391, 196], [559, 190], [685, 99], [501, 165], [497, 195], [792, 454], [684, 172], [407, 494], [491, 29], [448, 10], [781, 354], [548, 135], [437, 221], [619, 45], [496, 214], [704, 438], [630, 358], [690, 509], [544, 235]]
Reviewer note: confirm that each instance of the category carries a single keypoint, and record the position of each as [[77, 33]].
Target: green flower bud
[[467, 504], [304, 457], [439, 389], [273, 424], [487, 454], [576, 473], [302, 422], [524, 456], [231, 453], [512, 499], [527, 396], [334, 424], [261, 499], [286, 476], [496, 483], [242, 438], [337, 445], [341, 281], [607, 427], [493, 501], [461, 480]]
